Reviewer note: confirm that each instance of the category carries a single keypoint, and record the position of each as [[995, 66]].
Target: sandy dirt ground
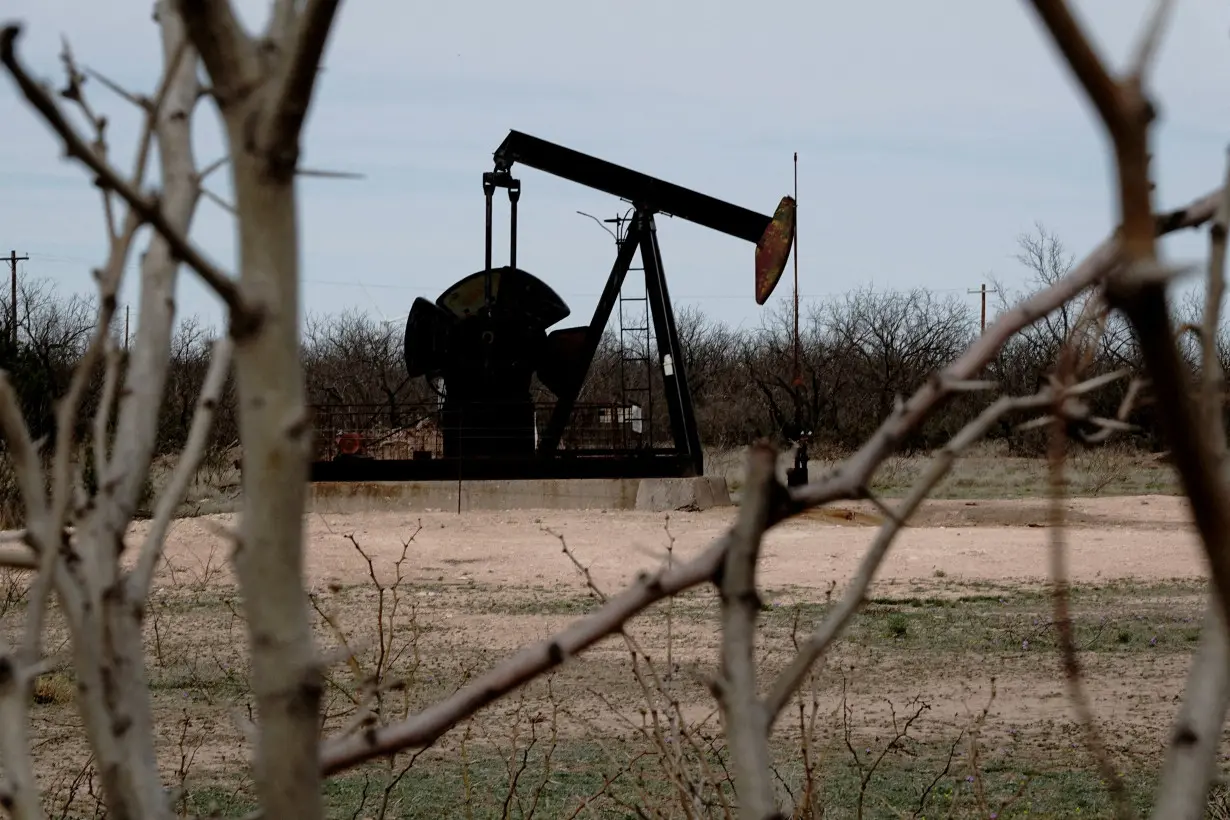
[[950, 545], [488, 583], [1143, 538]]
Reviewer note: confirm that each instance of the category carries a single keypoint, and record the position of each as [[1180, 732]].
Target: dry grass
[[989, 470], [215, 488], [55, 689], [612, 730]]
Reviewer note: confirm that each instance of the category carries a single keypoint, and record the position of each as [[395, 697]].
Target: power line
[[742, 296]]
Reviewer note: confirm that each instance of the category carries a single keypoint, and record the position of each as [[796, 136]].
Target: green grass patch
[[1110, 619], [613, 781]]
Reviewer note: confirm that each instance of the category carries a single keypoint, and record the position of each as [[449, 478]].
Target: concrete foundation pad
[[651, 495], [669, 494], [422, 496]]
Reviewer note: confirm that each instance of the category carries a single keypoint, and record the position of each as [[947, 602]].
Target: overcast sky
[[930, 135]]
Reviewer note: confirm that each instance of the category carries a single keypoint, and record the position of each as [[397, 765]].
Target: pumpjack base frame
[[576, 465]]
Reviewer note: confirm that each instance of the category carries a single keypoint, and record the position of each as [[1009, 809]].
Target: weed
[[632, 725], [898, 625], [56, 688]]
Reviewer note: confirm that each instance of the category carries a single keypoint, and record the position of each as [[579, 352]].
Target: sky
[[930, 136]]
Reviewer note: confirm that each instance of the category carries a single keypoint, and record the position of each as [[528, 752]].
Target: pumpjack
[[482, 341]]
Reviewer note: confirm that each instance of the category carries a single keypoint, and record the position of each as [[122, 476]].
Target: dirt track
[[1143, 538]]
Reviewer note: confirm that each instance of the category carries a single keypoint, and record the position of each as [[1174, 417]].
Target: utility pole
[[126, 309], [982, 326], [13, 260]]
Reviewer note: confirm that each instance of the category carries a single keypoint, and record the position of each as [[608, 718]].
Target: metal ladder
[[635, 360]]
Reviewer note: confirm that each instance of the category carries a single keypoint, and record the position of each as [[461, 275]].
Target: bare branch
[[153, 109], [1195, 739], [1192, 756], [20, 789], [23, 536], [219, 201], [48, 530], [24, 457], [74, 81], [72, 91], [282, 20], [229, 54], [112, 688], [70, 402], [149, 210], [971, 386], [1100, 262], [795, 675], [1150, 38], [102, 419], [36, 608], [263, 91], [1066, 372], [1198, 458], [118, 90], [185, 468], [292, 92], [1213, 378], [1080, 55], [435, 720], [15, 556], [745, 718], [322, 174], [145, 379], [1127, 116], [211, 167]]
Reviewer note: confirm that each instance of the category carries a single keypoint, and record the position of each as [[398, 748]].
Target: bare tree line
[[858, 355], [917, 357]]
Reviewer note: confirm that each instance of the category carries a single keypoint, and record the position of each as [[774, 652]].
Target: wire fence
[[425, 431]]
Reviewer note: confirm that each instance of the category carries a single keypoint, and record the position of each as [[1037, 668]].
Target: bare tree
[[191, 346], [767, 361], [857, 356], [102, 608], [53, 334], [354, 359], [262, 88]]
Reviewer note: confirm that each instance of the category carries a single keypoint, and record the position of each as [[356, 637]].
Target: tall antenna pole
[[797, 475], [798, 376]]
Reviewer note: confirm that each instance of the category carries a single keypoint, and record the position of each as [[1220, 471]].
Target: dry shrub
[[56, 689], [897, 473], [11, 512], [14, 586], [1097, 469]]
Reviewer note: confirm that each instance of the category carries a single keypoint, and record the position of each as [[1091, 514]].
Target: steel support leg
[[670, 352]]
